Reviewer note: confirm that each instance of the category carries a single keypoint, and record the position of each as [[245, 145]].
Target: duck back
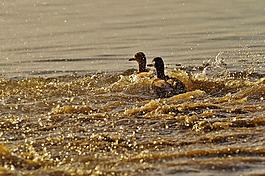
[[167, 87], [177, 85]]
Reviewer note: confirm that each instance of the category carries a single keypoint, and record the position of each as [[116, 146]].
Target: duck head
[[141, 59], [158, 63]]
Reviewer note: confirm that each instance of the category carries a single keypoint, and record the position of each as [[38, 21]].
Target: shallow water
[[71, 103], [109, 124]]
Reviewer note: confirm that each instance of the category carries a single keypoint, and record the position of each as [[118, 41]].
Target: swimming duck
[[163, 85], [142, 70], [141, 59]]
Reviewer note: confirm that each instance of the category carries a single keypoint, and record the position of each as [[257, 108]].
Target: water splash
[[215, 68]]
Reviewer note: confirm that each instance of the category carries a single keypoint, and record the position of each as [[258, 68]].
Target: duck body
[[167, 87], [163, 85]]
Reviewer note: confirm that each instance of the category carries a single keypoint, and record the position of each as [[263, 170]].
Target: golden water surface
[[110, 124], [70, 103]]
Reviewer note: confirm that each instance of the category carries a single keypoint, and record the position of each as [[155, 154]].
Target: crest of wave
[[131, 84]]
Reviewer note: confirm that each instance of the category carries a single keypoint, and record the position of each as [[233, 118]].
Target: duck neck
[[160, 73], [142, 67]]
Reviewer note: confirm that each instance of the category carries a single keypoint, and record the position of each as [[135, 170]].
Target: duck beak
[[150, 65], [132, 59]]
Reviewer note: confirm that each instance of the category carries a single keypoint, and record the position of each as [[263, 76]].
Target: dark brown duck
[[163, 85], [142, 72], [141, 59]]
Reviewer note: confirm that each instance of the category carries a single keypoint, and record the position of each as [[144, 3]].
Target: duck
[[140, 58], [165, 86]]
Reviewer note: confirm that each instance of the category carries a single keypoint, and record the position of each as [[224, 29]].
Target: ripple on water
[[105, 124]]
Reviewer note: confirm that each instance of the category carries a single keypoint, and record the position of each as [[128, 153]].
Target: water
[[71, 105], [53, 38]]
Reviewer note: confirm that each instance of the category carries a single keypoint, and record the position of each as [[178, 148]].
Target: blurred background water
[[49, 38]]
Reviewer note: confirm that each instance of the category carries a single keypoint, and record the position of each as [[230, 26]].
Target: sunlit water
[[71, 103]]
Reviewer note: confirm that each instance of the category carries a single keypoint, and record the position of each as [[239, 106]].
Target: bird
[[165, 86], [141, 59], [142, 70]]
